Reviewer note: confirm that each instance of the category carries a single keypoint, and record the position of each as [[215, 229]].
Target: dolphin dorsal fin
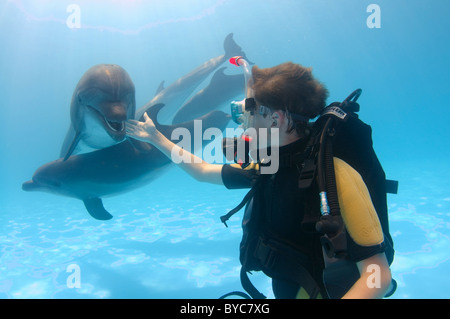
[[160, 88]]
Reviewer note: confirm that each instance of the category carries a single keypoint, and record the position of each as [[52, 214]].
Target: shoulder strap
[[244, 201]]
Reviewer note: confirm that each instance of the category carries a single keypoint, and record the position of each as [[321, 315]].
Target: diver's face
[[261, 118], [263, 121]]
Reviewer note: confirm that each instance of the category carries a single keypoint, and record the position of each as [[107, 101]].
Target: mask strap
[[299, 117]]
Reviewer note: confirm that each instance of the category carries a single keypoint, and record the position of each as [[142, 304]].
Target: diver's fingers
[[130, 125], [148, 120], [131, 128], [132, 122]]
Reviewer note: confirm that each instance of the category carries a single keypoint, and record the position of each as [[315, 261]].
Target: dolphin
[[103, 100], [130, 164], [114, 170], [222, 86], [178, 92]]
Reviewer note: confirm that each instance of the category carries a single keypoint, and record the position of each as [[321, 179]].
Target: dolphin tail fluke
[[233, 49], [72, 146], [95, 208]]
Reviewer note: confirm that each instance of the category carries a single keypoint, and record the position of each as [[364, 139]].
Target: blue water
[[166, 240]]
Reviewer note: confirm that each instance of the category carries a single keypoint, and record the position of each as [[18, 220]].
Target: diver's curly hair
[[289, 87]]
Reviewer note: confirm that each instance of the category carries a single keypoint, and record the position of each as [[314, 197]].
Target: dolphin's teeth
[[116, 126]]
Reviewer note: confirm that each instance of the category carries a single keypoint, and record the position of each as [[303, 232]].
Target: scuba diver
[[308, 251]]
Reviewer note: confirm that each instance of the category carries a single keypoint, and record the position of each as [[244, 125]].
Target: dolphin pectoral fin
[[72, 147], [95, 208], [70, 135]]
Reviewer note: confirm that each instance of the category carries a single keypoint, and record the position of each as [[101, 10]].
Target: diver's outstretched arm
[[193, 165]]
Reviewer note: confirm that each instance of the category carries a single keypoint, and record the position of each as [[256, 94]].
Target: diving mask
[[240, 110]]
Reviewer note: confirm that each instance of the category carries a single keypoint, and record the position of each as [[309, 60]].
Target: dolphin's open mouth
[[114, 125]]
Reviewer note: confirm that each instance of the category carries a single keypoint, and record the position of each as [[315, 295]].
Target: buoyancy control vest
[[337, 133]]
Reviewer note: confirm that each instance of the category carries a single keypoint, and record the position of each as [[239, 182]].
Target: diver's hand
[[142, 131]]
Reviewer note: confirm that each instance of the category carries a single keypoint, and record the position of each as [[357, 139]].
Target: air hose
[[326, 179]]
